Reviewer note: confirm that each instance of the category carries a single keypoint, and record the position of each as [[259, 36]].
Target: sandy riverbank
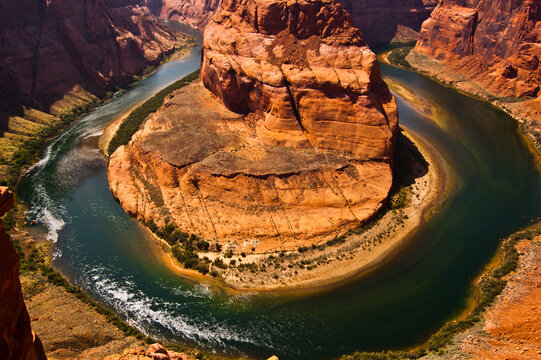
[[325, 266]]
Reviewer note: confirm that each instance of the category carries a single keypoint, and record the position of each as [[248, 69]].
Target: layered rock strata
[[62, 51], [386, 21], [303, 68], [304, 151], [17, 341], [490, 48], [498, 44]]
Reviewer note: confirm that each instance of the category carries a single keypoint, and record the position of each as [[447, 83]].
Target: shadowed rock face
[[56, 47], [383, 21], [301, 151], [496, 43], [193, 12], [303, 68], [17, 341]]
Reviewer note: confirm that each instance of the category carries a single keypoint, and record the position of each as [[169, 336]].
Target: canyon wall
[[496, 43], [490, 48], [17, 341], [293, 147], [382, 21], [195, 13], [54, 53]]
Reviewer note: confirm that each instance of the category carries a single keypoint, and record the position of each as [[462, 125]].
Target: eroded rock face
[[303, 68], [496, 43], [53, 48], [17, 341], [384, 21], [205, 169], [303, 152]]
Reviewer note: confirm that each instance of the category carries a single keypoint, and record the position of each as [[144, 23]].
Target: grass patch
[[490, 286], [136, 118]]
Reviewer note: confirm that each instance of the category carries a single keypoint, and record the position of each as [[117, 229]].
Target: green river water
[[495, 191]]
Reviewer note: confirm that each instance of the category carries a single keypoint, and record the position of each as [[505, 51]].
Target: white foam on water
[[54, 224], [45, 212], [44, 159], [145, 310]]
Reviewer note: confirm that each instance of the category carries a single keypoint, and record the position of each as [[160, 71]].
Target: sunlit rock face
[[304, 69], [496, 43], [292, 145]]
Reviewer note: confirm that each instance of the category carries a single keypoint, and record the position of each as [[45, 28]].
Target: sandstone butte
[[58, 53], [303, 150], [488, 47], [17, 341], [381, 21]]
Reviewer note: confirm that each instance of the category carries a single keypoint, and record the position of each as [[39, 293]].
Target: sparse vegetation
[[489, 287], [136, 118], [184, 246], [27, 131], [398, 57], [36, 262]]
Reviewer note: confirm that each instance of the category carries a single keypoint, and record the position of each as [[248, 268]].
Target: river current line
[[99, 247]]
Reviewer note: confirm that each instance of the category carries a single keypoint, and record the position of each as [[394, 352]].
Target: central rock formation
[[303, 68], [302, 153]]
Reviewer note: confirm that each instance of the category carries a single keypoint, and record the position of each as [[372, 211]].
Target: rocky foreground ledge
[[294, 148]]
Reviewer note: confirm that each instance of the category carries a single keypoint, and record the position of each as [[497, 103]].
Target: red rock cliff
[[17, 341], [304, 155], [304, 69], [497, 43], [50, 48]]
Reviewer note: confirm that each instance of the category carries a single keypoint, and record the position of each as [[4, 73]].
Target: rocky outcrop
[[380, 21], [385, 21], [304, 70], [302, 153], [495, 43], [490, 48], [61, 51], [193, 12], [17, 341]]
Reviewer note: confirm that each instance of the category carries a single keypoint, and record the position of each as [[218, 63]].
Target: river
[[496, 190]]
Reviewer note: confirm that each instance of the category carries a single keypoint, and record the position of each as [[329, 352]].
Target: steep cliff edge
[[304, 151], [490, 48], [17, 341], [195, 13], [56, 54]]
